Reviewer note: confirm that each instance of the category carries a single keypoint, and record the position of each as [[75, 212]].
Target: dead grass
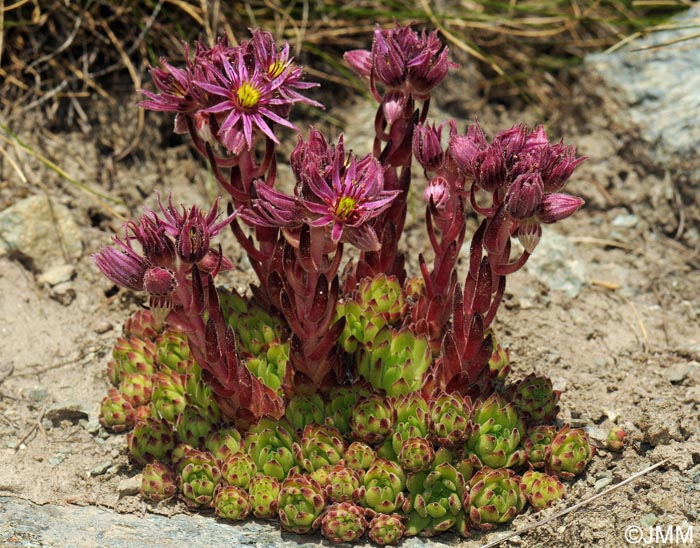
[[54, 54]]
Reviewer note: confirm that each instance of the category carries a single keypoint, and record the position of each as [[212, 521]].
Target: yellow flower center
[[248, 95], [275, 69], [346, 205]]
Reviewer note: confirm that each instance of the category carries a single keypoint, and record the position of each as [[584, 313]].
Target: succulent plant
[[141, 324], [382, 487], [535, 399], [223, 442], [116, 411], [541, 490], [321, 475], [494, 497], [359, 457], [436, 500], [342, 522], [169, 395], [238, 469], [416, 454], [615, 440], [151, 439], [264, 491], [255, 328], [412, 416], [157, 482], [396, 362], [137, 388], [386, 529], [303, 410], [536, 443], [320, 445], [193, 426], [569, 453], [199, 477], [131, 355], [372, 419], [300, 502], [232, 503], [199, 394], [270, 365], [495, 438], [172, 350], [341, 400], [499, 362], [450, 419], [360, 328], [270, 444], [343, 484]]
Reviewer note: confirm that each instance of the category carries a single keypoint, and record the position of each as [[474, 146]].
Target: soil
[[625, 351]]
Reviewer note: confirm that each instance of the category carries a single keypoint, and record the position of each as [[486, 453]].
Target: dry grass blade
[[575, 507]]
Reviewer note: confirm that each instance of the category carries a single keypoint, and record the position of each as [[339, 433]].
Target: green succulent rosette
[[536, 443], [151, 439], [386, 529], [541, 490], [131, 355], [320, 445], [224, 442], [494, 497], [412, 421], [270, 365], [142, 324], [396, 362], [436, 500], [303, 410], [300, 502], [343, 484], [338, 408], [137, 388], [495, 438], [416, 454], [569, 453], [238, 469], [450, 416], [231, 503], [372, 419], [270, 444], [254, 326], [264, 491], [199, 476], [343, 522], [382, 487], [173, 351], [359, 457], [536, 399], [157, 482], [116, 412], [199, 394], [361, 327], [194, 426], [169, 395]]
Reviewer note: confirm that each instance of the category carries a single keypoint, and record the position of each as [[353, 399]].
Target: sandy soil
[[625, 351]]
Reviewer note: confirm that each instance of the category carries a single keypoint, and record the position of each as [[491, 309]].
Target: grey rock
[[555, 263], [100, 468], [91, 527], [678, 372], [64, 293], [128, 487], [57, 274], [39, 233], [648, 520], [625, 221], [650, 92]]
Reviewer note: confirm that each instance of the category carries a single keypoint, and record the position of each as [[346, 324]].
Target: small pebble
[[625, 221], [38, 394], [57, 459], [677, 372], [648, 520], [602, 483], [129, 487], [58, 274], [100, 468]]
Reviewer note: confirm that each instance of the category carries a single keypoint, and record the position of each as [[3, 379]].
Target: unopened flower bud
[[388, 59], [427, 147], [437, 191], [193, 241], [556, 207], [159, 281], [394, 105], [360, 60], [524, 195]]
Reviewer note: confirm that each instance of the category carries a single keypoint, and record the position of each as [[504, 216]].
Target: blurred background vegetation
[[57, 54]]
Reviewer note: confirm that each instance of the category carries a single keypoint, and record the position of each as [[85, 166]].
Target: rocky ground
[[608, 307]]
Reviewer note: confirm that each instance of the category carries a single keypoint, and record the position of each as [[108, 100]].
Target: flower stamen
[[248, 95]]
